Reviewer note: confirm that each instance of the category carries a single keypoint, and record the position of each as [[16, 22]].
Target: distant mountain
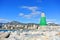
[[14, 23], [19, 23], [53, 24]]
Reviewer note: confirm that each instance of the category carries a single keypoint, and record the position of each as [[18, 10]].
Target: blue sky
[[28, 11]]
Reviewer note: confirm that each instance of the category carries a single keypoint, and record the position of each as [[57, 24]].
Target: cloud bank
[[33, 13]]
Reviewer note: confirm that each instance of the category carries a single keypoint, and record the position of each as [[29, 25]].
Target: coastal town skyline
[[28, 11]]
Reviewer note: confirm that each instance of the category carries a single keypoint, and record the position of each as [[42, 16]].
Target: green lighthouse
[[43, 20]]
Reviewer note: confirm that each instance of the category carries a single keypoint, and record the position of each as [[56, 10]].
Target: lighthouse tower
[[43, 20]]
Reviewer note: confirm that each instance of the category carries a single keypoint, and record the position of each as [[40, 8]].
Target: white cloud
[[32, 8], [25, 16], [33, 13], [36, 13], [4, 20], [51, 20], [21, 14]]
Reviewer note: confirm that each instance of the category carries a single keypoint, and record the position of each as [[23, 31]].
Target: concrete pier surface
[[4, 35], [30, 35]]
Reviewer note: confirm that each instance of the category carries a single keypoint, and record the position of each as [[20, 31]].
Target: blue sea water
[[7, 30]]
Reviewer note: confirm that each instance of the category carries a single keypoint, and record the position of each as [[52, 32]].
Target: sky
[[29, 11]]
